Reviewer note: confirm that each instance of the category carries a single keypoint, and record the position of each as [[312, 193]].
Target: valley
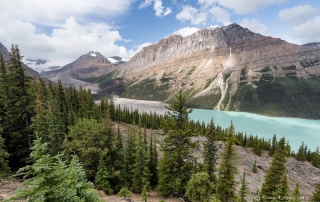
[[160, 101], [228, 68]]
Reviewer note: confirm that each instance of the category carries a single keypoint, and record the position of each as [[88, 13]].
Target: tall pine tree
[[141, 173], [244, 190], [177, 163], [276, 171], [226, 185], [19, 110], [210, 152]]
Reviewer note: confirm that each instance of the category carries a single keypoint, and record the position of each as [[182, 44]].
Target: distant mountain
[[92, 64], [224, 68], [5, 53], [41, 65]]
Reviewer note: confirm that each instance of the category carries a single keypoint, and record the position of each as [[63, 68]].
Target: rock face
[[211, 51], [215, 63]]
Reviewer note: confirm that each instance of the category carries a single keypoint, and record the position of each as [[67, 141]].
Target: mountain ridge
[[225, 68]]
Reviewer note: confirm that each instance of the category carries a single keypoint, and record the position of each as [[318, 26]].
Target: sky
[[63, 30]]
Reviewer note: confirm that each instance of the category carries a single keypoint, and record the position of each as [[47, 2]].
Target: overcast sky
[[62, 30]]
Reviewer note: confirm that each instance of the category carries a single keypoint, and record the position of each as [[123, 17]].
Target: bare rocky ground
[[142, 105]]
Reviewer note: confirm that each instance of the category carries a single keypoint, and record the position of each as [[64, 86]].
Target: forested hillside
[[62, 143]]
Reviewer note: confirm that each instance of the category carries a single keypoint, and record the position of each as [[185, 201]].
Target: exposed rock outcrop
[[215, 62]]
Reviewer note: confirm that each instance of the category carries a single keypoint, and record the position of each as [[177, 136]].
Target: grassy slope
[[283, 96], [280, 96]]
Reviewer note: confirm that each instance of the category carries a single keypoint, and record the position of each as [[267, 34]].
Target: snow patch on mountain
[[93, 54], [41, 65], [113, 61]]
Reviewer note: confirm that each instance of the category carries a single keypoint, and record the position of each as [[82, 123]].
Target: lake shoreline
[[295, 130]]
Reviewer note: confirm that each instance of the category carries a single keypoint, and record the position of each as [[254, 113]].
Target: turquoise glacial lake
[[293, 129]]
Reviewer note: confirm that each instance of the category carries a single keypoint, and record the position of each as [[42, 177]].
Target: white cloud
[[241, 6], [186, 31], [145, 4], [62, 30], [167, 11], [66, 43], [298, 14], [254, 25], [54, 13], [220, 15], [307, 32], [193, 15], [201, 15], [157, 7]]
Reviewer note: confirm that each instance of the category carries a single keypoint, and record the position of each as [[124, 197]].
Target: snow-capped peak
[[93, 54]]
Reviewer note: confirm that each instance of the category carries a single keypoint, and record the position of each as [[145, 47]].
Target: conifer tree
[[282, 191], [273, 145], [112, 154], [244, 190], [276, 171], [102, 178], [141, 173], [119, 164], [177, 163], [296, 196], [19, 110], [144, 194], [4, 163], [130, 158], [54, 120], [4, 155], [316, 158], [88, 140], [300, 156], [210, 152], [254, 167], [316, 194], [199, 188], [226, 185], [125, 192], [50, 179], [288, 149], [153, 163], [40, 122]]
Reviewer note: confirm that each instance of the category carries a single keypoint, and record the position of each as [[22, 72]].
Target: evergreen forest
[[65, 145]]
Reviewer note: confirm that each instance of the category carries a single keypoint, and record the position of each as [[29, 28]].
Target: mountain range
[[92, 64], [224, 68]]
